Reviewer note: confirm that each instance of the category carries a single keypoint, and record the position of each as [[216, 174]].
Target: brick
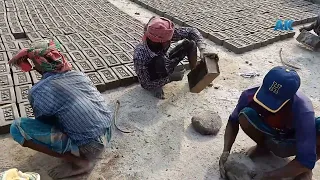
[[113, 48], [8, 113], [74, 66], [75, 37], [40, 27], [102, 51], [110, 78], [24, 44], [77, 56], [7, 95], [22, 93], [82, 44], [34, 36], [56, 31], [97, 81], [93, 42], [123, 58], [85, 66], [90, 53], [67, 56], [88, 27], [3, 57], [105, 40], [63, 39], [125, 46], [6, 80], [86, 35], [130, 67], [2, 48], [107, 31], [115, 38], [7, 38], [97, 33], [12, 53], [79, 29], [35, 76], [124, 75], [11, 46], [29, 28], [127, 37], [4, 68], [45, 33], [70, 47], [111, 60], [21, 78], [98, 63], [67, 30], [26, 110]]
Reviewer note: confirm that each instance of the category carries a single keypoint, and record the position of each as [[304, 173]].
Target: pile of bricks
[[239, 26], [96, 37]]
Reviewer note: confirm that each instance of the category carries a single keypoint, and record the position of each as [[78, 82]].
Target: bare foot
[[257, 151], [69, 169]]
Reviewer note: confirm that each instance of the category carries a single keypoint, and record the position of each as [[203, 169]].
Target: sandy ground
[[164, 146]]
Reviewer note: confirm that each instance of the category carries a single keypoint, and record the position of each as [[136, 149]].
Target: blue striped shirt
[[72, 103]]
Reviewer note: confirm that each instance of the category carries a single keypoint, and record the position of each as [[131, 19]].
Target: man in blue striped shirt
[[71, 121]]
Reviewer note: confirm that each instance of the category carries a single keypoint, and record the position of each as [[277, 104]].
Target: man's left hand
[[205, 53]]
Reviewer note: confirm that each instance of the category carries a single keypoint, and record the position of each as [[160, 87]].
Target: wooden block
[[8, 113], [97, 80], [7, 95], [309, 40], [82, 44], [26, 110], [35, 76], [90, 53], [204, 73], [77, 56], [124, 75], [4, 68], [11, 46], [21, 78], [98, 63], [3, 57], [113, 48], [85, 66], [111, 60], [6, 80], [123, 58], [110, 78], [22, 93]]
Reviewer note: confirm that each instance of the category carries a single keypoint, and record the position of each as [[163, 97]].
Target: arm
[[305, 143], [190, 34]]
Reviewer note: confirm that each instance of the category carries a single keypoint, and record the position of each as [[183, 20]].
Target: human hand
[[223, 158], [302, 29]]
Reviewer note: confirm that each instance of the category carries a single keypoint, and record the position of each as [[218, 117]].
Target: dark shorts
[[281, 148]]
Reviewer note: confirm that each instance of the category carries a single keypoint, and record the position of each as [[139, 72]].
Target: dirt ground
[[164, 146]]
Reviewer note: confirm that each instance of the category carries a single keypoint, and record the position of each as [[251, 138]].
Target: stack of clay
[[239, 26]]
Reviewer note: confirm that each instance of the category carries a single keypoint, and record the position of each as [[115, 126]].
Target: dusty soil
[[164, 146]]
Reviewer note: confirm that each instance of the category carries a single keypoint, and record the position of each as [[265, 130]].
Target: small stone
[[247, 62], [250, 64], [137, 13], [240, 166], [216, 87], [207, 123], [210, 85]]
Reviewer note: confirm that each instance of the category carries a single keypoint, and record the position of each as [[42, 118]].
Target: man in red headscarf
[[153, 65]]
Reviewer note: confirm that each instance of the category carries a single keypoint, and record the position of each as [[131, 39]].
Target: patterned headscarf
[[159, 30], [43, 53]]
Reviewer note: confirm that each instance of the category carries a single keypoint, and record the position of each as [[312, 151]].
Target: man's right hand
[[223, 159], [302, 29]]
